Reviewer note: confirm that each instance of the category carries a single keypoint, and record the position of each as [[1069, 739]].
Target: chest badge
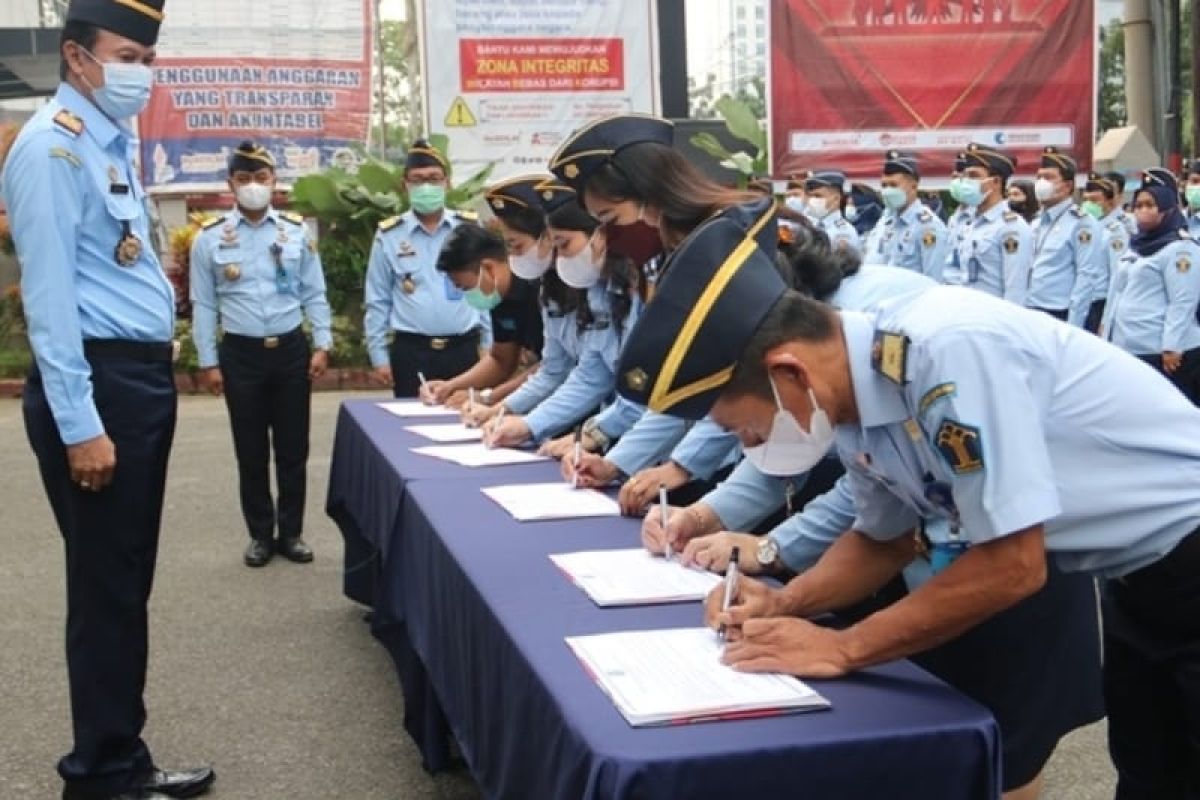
[[129, 249], [408, 284], [232, 272], [406, 249]]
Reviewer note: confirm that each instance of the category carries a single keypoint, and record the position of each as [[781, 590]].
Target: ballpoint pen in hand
[[731, 579], [662, 509]]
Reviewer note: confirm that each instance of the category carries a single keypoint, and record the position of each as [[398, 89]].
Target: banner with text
[[851, 79], [507, 82], [294, 75]]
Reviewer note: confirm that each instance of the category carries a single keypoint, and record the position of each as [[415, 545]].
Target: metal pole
[[1174, 116], [1139, 67], [382, 81]]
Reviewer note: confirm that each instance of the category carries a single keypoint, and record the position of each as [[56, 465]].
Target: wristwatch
[[768, 552], [593, 432], [486, 396]]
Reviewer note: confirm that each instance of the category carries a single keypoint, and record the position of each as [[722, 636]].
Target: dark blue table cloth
[[474, 614]]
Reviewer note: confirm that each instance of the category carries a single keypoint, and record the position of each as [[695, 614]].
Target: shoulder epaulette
[[292, 217], [1011, 216], [389, 223], [211, 223], [66, 155], [889, 356], [69, 122], [1078, 212], [925, 216]]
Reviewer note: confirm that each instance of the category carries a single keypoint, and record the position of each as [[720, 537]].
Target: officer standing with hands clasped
[[258, 271], [909, 235], [1069, 263], [994, 248], [435, 333], [100, 401], [1030, 439]]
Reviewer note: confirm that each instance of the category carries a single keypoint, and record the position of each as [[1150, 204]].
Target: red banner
[[541, 65], [851, 79]]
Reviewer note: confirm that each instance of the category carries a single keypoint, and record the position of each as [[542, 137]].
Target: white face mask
[[582, 270], [1044, 190], [789, 450], [529, 265], [851, 213], [253, 196], [796, 204], [818, 207]]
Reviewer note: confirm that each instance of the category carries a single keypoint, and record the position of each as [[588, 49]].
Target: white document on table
[[634, 577], [415, 408], [669, 676], [477, 455], [530, 502], [447, 432]]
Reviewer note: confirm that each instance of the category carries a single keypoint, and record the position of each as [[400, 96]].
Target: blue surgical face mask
[[480, 300], [970, 191], [126, 89], [893, 197]]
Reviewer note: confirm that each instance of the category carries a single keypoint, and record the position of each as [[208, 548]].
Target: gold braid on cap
[[432, 153], [142, 8], [258, 153]]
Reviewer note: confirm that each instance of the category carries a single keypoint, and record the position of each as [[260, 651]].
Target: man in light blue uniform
[[995, 248], [1069, 262], [1025, 435], [1191, 193], [909, 235], [100, 403], [826, 192], [434, 332], [1102, 201], [257, 269]]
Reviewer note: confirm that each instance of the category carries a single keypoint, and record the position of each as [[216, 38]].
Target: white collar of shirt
[[95, 122], [879, 401]]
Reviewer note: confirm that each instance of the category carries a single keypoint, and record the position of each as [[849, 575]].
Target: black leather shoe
[[294, 549], [180, 783], [257, 553]]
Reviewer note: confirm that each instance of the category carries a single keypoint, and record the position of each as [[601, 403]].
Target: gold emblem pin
[[571, 171], [636, 379], [232, 272], [128, 250], [497, 203], [408, 284]]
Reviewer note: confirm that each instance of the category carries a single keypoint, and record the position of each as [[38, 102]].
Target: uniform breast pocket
[[122, 207], [229, 268]]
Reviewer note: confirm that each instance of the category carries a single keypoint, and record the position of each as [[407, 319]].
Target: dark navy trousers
[[111, 542]]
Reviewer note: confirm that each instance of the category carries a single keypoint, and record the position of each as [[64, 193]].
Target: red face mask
[[638, 242]]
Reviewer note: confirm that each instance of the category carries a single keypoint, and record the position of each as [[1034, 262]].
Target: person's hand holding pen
[[479, 414], [506, 430], [590, 471], [577, 455], [750, 599]]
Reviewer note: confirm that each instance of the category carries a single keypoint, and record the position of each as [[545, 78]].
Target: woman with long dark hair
[[628, 174]]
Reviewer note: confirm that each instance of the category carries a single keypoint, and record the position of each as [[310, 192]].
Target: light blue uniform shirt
[[1152, 307], [840, 231], [578, 370], [1116, 243], [1069, 261], [235, 276], [66, 223], [1193, 225], [1025, 421], [994, 254], [1128, 220], [747, 496], [616, 419], [404, 247], [955, 227], [914, 238]]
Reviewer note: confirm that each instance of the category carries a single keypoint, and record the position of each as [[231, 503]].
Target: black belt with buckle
[[128, 350], [438, 342], [265, 342]]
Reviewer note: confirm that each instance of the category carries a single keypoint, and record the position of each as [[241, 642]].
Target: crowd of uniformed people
[[953, 424]]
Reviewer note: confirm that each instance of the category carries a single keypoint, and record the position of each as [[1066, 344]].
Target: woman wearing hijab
[[1155, 288]]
